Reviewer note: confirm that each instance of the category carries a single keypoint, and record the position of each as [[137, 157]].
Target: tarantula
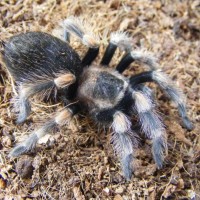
[[40, 63]]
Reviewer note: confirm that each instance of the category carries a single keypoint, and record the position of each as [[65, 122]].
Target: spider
[[41, 63]]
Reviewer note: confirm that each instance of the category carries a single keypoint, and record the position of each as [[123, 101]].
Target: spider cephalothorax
[[41, 63], [101, 88]]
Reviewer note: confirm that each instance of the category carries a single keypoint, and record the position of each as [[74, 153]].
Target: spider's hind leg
[[60, 119], [21, 102], [45, 85], [21, 106]]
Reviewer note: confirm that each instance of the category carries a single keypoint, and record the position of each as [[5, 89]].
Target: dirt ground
[[78, 161]]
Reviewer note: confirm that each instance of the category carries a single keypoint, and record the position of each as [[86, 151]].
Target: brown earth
[[78, 161]]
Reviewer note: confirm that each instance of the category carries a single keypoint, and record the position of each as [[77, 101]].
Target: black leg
[[141, 78], [83, 31], [117, 39], [90, 56], [124, 63], [110, 50], [140, 56], [168, 87], [146, 90], [104, 116]]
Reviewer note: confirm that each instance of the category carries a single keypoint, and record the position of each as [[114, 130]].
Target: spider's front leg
[[123, 139], [61, 118], [151, 124], [84, 31], [117, 39]]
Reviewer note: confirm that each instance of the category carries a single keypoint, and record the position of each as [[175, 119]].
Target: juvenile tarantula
[[40, 63]]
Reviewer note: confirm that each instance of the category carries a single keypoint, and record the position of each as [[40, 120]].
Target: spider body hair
[[42, 55], [43, 64]]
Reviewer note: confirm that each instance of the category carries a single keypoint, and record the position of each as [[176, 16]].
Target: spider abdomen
[[35, 54]]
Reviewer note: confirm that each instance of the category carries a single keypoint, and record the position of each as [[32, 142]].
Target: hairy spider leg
[[84, 32], [21, 102], [168, 87], [137, 55], [147, 91], [117, 39], [110, 50], [155, 76], [151, 124], [61, 118], [45, 86], [123, 139]]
